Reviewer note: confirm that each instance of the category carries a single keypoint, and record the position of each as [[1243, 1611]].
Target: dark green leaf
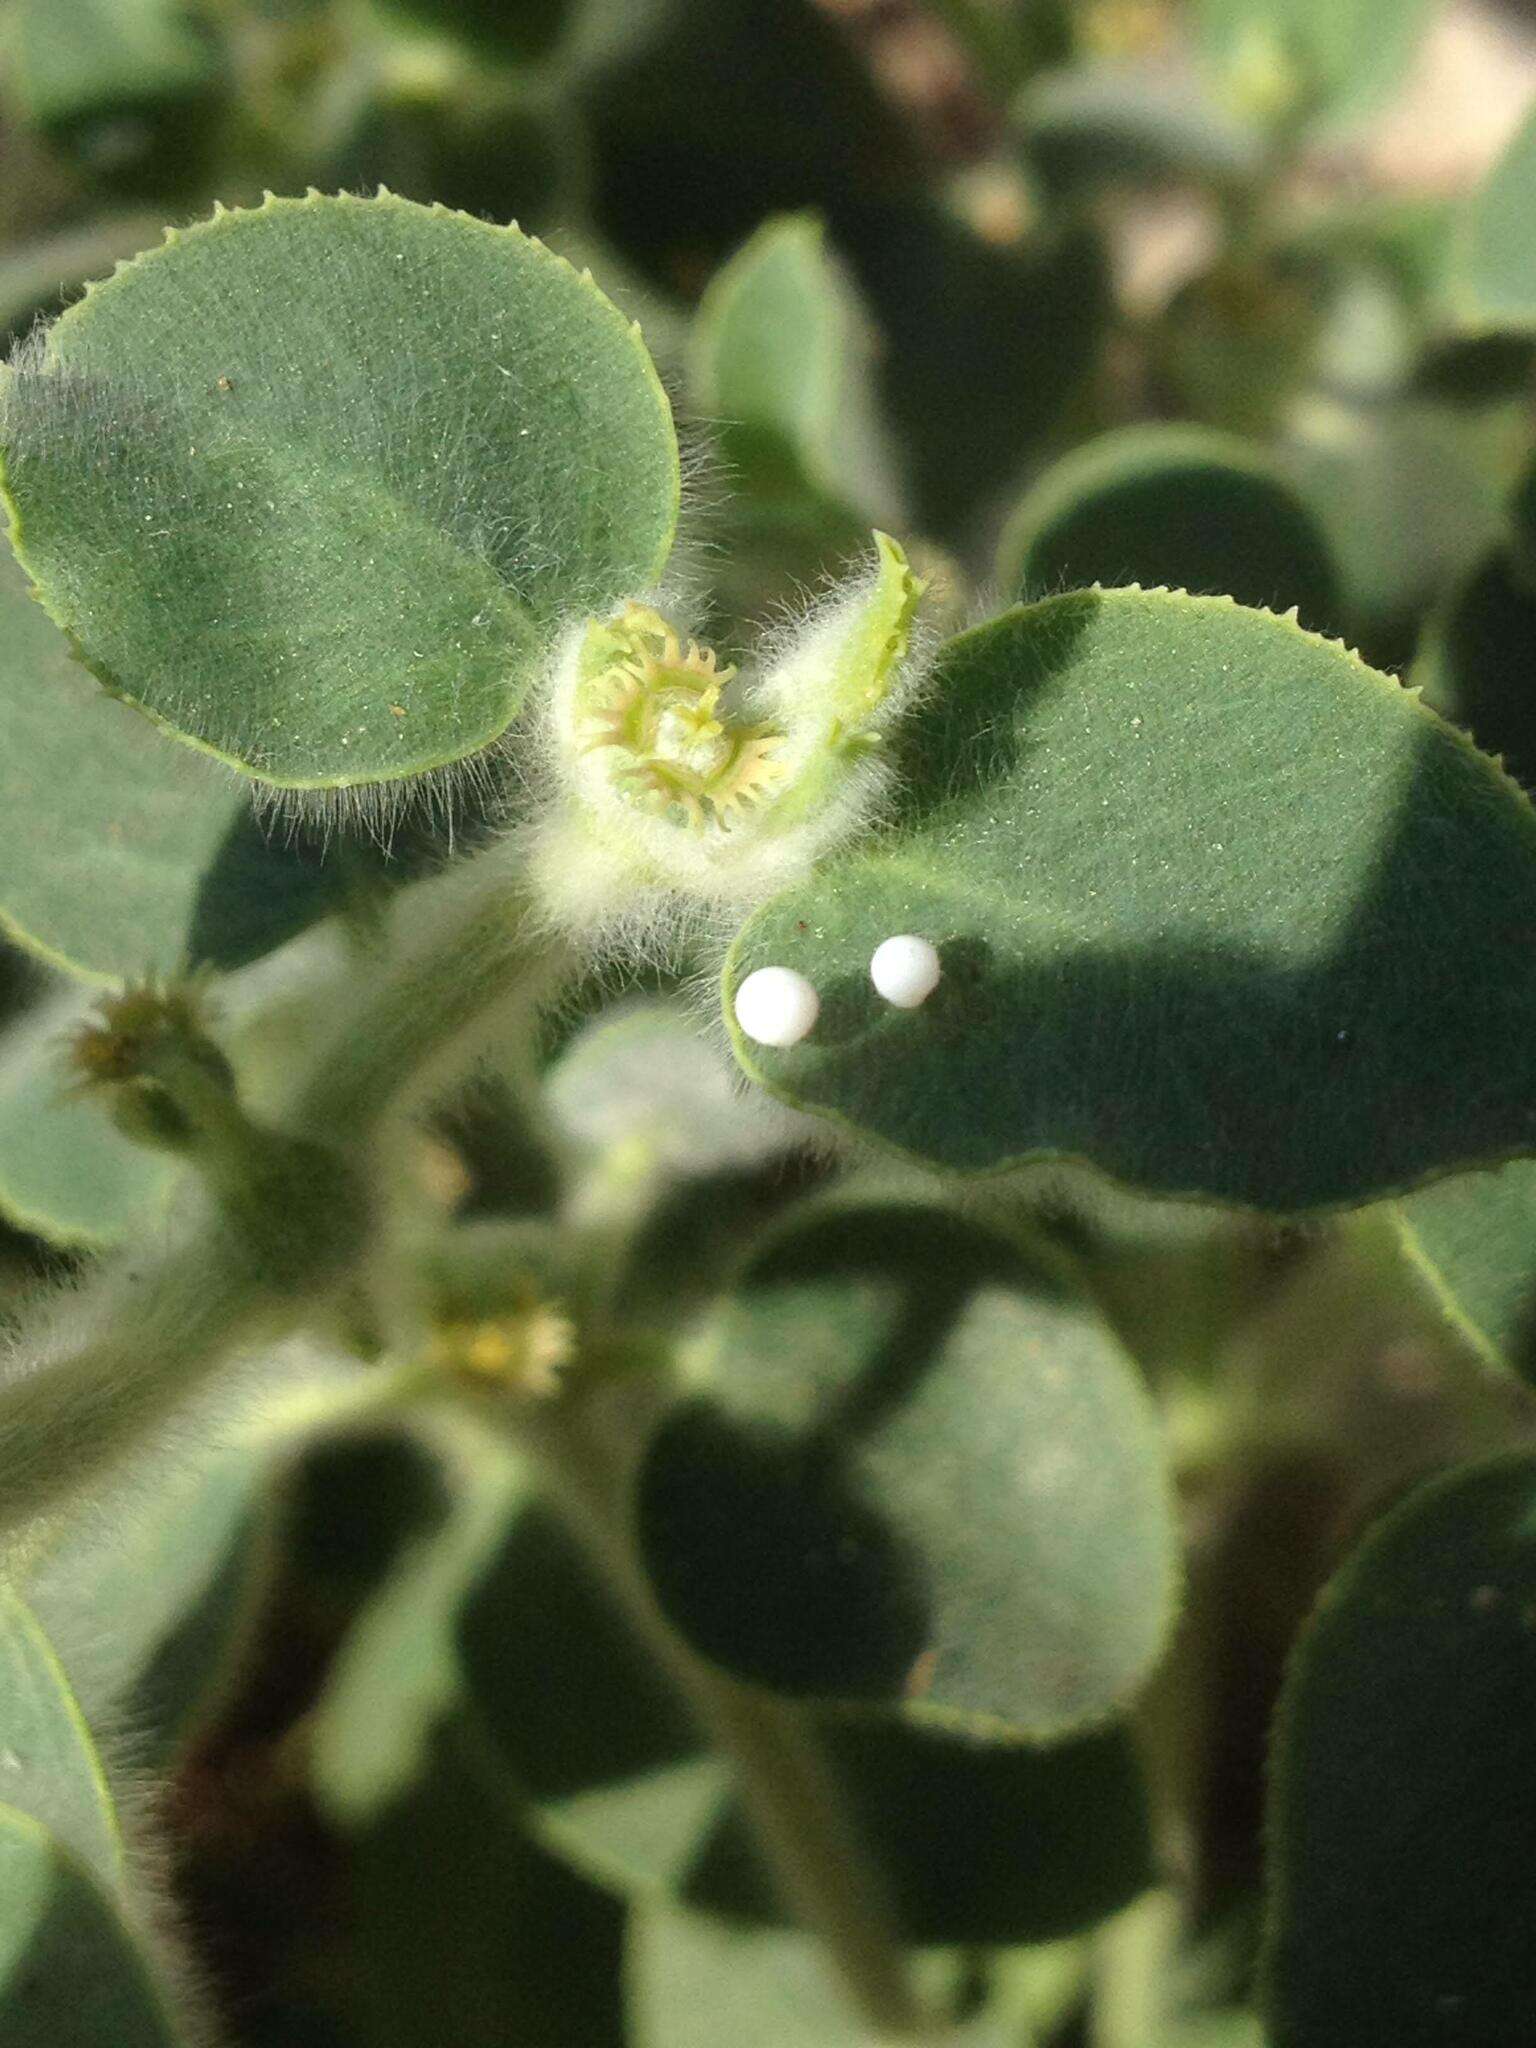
[[462, 1930], [1180, 506], [976, 1843], [315, 487], [69, 1971], [1403, 1890], [873, 1367], [1221, 911]]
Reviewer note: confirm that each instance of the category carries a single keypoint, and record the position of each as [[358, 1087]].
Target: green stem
[[807, 1838], [106, 1365]]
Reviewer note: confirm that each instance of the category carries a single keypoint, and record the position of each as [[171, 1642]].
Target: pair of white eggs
[[777, 1006]]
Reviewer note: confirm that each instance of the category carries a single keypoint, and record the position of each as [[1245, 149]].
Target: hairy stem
[[807, 1838], [100, 1368]]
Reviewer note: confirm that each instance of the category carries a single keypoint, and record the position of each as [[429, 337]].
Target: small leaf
[[1472, 1241], [49, 1765], [642, 1078], [1276, 59], [69, 1970], [976, 1843], [1491, 281], [397, 1674], [694, 1982], [1112, 123], [315, 487], [1175, 505], [461, 1930], [79, 61], [105, 829], [66, 1172], [873, 1367], [1401, 1887], [780, 358], [1213, 900]]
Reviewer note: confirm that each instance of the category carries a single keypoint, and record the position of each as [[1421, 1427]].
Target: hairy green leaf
[[873, 1366], [1220, 911], [976, 1843], [780, 358], [1174, 505], [69, 1970], [316, 485], [1402, 1893]]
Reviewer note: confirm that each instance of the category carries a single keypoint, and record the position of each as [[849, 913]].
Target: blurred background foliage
[[1237, 295]]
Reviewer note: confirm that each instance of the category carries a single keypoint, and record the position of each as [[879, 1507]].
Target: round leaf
[[49, 1766], [874, 1367], [1220, 910], [975, 1843], [1403, 1808], [1472, 1240], [105, 830], [69, 1972], [1197, 510], [318, 485]]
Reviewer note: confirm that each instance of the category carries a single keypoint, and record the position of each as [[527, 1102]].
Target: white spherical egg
[[776, 1006], [905, 970]]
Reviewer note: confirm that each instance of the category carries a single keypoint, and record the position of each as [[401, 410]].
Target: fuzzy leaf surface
[[874, 1366], [317, 485], [1402, 1893], [1220, 910]]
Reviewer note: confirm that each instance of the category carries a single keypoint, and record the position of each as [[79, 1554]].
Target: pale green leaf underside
[[780, 351], [695, 1982], [105, 830], [49, 1767], [1492, 269], [83, 59], [1472, 1239], [873, 1367], [65, 1171], [70, 1974], [1402, 1894], [316, 486], [1220, 910], [1321, 57]]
